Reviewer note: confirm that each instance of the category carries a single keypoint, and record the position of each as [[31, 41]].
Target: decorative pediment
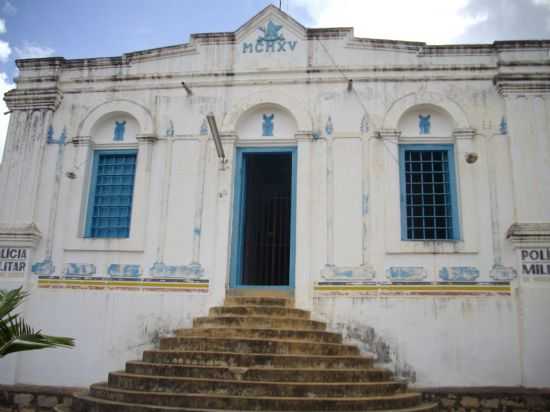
[[271, 24]]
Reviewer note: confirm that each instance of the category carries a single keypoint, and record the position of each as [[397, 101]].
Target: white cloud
[[431, 21], [435, 21], [32, 51], [5, 51], [9, 9], [2, 25], [5, 85]]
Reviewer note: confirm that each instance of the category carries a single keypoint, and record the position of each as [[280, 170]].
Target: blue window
[[111, 194], [428, 192]]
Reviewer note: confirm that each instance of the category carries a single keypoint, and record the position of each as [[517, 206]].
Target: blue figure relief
[[119, 130], [271, 32], [204, 128], [50, 139], [503, 126], [424, 124], [267, 125], [329, 128], [170, 129], [365, 124]]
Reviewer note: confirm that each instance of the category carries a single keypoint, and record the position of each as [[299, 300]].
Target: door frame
[[237, 237]]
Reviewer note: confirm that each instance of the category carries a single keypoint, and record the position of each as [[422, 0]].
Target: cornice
[[147, 138], [20, 235], [33, 99], [529, 233], [522, 83], [390, 134], [81, 140], [464, 134]]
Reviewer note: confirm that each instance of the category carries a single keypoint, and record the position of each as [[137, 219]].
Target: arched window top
[[267, 120], [113, 127], [426, 120]]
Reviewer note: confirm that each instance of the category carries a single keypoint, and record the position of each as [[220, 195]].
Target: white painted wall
[[109, 328], [443, 341], [532, 308]]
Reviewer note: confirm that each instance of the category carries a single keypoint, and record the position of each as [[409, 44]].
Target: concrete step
[[197, 343], [261, 293], [257, 301], [260, 374], [260, 310], [85, 403], [244, 360], [148, 383], [250, 333], [257, 322], [263, 403]]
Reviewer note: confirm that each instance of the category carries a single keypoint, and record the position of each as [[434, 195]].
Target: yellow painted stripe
[[124, 283], [415, 288]]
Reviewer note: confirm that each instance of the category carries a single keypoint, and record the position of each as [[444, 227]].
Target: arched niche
[[425, 120], [292, 104], [266, 121], [138, 112], [401, 106], [108, 128]]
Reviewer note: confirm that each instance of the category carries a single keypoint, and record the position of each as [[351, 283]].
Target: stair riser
[[270, 404], [247, 301], [87, 405], [265, 375], [256, 346], [259, 311], [244, 360], [261, 323], [183, 385], [320, 337]]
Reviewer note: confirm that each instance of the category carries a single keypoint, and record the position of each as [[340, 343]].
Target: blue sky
[[92, 28]]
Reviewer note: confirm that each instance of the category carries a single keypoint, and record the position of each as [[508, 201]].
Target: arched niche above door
[[266, 121]]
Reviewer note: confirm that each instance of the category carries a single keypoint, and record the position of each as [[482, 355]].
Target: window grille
[[111, 195], [428, 197]]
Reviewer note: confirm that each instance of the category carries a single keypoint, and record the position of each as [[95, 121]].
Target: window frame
[[453, 193], [93, 185]]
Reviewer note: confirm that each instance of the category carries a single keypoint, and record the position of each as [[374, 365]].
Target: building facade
[[399, 190]]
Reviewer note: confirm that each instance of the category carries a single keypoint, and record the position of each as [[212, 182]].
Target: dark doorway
[[267, 219]]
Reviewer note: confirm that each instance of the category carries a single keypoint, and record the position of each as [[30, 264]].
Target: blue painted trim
[[452, 185], [239, 206], [93, 183]]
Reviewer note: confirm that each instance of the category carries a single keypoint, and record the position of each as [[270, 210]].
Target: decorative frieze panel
[[347, 274], [118, 270], [80, 269], [191, 271], [406, 273], [458, 274]]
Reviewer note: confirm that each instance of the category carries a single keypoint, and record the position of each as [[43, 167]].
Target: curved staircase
[[252, 354]]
